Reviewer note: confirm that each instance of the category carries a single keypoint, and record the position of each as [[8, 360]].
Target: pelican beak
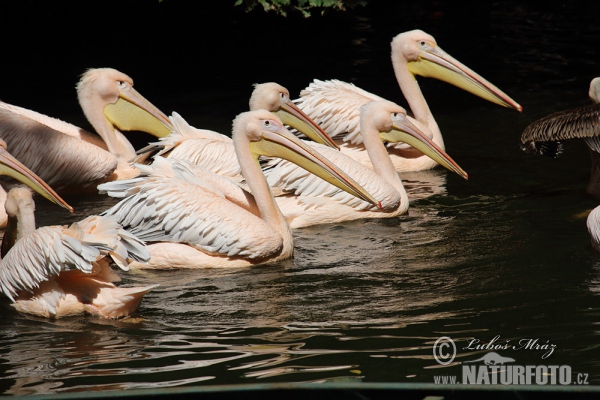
[[283, 144], [291, 115], [14, 168], [435, 63], [405, 131], [132, 112]]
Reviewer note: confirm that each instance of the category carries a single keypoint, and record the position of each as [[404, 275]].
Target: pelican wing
[[206, 148], [582, 122], [121, 245], [43, 254], [335, 106], [38, 141], [291, 178], [173, 204], [50, 250]]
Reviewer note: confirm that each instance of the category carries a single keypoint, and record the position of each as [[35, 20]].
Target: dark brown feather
[[575, 123]]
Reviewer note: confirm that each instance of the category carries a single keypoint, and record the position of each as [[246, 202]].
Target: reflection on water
[[505, 253]]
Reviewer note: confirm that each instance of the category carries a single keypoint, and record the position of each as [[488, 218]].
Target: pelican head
[[422, 56], [12, 167], [394, 126], [264, 133], [123, 106], [276, 99]]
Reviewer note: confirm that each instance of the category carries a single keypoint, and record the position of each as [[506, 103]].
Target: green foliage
[[305, 7]]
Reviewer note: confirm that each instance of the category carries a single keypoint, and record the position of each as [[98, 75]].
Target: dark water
[[504, 254]]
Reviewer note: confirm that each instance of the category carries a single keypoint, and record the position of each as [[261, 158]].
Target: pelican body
[[191, 220], [308, 200], [71, 159], [335, 105], [58, 271]]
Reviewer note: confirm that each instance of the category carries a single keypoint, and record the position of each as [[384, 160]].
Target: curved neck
[[382, 164], [267, 207], [415, 99], [116, 142], [21, 219]]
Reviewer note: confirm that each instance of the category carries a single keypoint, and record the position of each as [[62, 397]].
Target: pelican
[[67, 157], [58, 271], [310, 200], [194, 223], [545, 135], [335, 105], [214, 150]]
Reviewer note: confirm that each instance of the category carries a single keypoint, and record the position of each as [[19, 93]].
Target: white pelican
[[58, 271], [545, 135], [70, 159], [334, 104], [310, 200], [194, 224], [214, 150]]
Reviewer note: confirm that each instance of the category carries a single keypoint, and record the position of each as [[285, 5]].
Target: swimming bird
[[308, 200], [67, 157], [214, 150], [58, 271], [545, 135], [335, 105], [189, 221]]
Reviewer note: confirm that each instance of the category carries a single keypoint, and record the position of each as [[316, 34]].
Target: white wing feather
[[335, 106], [289, 177], [168, 202], [50, 250]]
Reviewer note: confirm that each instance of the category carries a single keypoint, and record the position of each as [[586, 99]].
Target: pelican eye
[[283, 96]]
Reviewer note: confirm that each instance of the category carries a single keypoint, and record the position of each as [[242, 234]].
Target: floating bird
[[545, 135], [214, 150], [189, 221], [310, 201], [58, 271], [335, 105], [70, 159]]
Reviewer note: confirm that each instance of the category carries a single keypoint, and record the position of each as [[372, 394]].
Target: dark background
[[201, 58]]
